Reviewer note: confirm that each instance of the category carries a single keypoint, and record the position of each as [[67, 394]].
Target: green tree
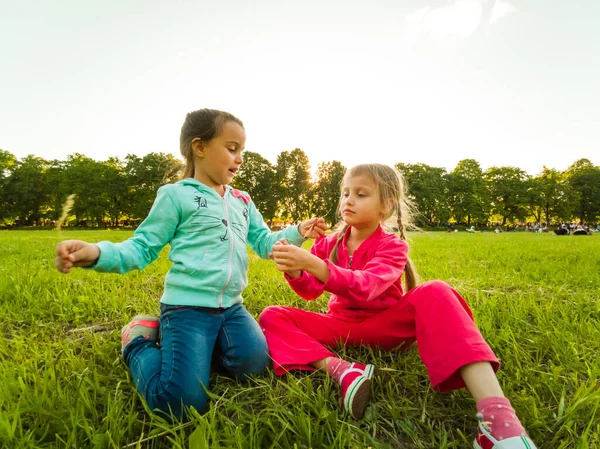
[[86, 178], [144, 176], [555, 198], [533, 198], [428, 189], [115, 189], [467, 194], [256, 176], [57, 187], [7, 163], [508, 190], [26, 190], [327, 190], [292, 179], [584, 179]]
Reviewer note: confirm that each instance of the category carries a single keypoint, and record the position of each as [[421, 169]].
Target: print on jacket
[[207, 222]]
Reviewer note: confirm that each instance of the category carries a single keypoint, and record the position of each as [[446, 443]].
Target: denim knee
[[255, 363], [178, 398], [250, 363]]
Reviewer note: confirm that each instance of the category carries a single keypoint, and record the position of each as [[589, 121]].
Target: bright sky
[[506, 82]]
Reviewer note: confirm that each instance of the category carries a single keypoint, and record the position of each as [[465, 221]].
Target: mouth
[[347, 211], [233, 170]]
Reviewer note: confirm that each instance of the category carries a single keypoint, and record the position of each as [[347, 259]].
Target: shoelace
[[485, 429]]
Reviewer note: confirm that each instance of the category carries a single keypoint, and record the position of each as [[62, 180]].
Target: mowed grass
[[64, 385]]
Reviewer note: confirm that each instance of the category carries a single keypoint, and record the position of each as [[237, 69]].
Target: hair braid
[[334, 252], [411, 277]]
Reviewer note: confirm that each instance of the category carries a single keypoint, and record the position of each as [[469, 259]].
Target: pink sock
[[336, 367], [500, 417]]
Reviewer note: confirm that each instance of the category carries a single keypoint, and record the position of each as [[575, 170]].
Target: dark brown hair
[[205, 124]]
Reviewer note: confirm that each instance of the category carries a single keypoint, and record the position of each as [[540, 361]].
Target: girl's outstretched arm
[[149, 238], [135, 253], [261, 239]]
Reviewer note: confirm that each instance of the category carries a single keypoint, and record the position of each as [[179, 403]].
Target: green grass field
[[63, 384]]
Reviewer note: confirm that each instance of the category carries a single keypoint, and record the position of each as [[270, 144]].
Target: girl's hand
[[291, 259], [75, 253], [313, 228], [292, 274]]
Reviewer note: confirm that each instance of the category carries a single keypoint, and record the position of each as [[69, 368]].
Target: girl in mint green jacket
[[208, 225]]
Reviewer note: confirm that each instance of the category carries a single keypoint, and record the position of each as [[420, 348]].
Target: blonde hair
[[204, 124], [392, 191]]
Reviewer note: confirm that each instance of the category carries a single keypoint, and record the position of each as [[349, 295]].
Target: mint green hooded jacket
[[208, 235]]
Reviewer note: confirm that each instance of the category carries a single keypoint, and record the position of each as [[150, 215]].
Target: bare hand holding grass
[[313, 228], [75, 253]]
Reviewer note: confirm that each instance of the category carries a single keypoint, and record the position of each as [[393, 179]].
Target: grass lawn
[[63, 384]]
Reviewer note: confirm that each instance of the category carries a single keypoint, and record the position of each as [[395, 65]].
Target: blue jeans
[[175, 374]]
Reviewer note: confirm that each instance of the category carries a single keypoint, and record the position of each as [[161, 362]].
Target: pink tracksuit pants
[[433, 314]]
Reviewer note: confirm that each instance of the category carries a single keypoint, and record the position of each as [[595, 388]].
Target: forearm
[[319, 269]]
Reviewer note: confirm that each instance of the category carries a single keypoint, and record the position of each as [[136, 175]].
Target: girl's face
[[218, 160], [361, 204]]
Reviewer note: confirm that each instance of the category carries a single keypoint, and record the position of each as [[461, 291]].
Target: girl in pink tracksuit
[[361, 266]]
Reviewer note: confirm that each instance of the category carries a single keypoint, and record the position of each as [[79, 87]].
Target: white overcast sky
[[506, 82]]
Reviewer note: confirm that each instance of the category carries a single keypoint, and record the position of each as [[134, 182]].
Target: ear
[[198, 147]]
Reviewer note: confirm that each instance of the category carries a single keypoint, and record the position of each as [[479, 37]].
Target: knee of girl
[[251, 364], [435, 286], [435, 291], [179, 397], [197, 399], [268, 315]]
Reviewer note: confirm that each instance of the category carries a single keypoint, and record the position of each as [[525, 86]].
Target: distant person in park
[[471, 230], [207, 225], [361, 265], [580, 230], [562, 230]]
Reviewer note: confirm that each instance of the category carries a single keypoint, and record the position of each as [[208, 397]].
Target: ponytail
[[189, 168], [334, 252]]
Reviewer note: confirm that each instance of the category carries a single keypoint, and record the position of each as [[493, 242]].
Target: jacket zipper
[[228, 279]]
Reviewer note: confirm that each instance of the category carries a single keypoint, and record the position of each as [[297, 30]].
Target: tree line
[[120, 192]]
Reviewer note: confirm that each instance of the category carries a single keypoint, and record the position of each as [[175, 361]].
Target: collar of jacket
[[366, 244], [203, 187]]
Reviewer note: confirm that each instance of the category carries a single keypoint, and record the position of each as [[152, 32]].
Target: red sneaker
[[356, 391], [140, 326], [368, 370]]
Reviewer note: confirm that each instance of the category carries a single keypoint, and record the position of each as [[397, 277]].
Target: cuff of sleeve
[[293, 236], [293, 281], [302, 279], [105, 258]]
